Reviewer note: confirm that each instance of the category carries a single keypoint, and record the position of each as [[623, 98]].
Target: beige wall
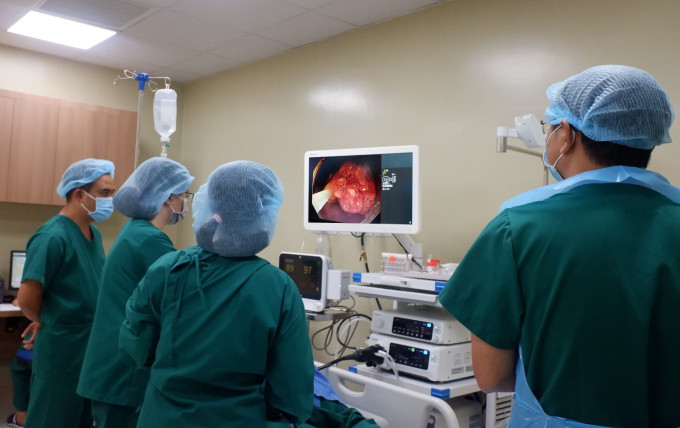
[[443, 78], [49, 76]]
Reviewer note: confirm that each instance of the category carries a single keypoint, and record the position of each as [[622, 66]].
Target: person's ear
[[567, 139]]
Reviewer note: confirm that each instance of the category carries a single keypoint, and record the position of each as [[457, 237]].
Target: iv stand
[[142, 79]]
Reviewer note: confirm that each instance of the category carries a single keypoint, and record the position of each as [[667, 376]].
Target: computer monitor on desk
[[16, 269]]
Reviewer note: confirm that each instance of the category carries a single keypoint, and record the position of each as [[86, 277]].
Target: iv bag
[[165, 113]]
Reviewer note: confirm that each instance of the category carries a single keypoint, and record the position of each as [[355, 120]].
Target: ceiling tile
[[118, 62], [362, 12], [183, 30], [157, 3], [134, 47], [251, 15], [24, 3], [205, 64], [177, 75], [310, 4], [115, 15], [9, 14], [306, 28], [32, 44], [250, 48]]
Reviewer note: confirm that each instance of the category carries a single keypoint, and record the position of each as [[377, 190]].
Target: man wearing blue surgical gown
[[223, 330], [153, 196], [64, 260], [572, 292]]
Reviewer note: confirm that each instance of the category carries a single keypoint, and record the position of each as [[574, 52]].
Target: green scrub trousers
[[68, 266]]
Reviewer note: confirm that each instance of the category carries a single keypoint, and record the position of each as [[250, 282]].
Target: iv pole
[[142, 79]]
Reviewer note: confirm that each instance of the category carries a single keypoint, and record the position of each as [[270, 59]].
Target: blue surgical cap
[[236, 211], [150, 185], [615, 103], [83, 172]]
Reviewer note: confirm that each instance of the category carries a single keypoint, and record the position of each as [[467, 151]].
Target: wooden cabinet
[[6, 107], [40, 137]]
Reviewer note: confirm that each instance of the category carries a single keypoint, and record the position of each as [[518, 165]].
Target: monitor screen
[[362, 190], [308, 272], [16, 268]]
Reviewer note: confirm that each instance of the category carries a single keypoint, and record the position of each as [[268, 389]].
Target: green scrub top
[[68, 266], [226, 337], [588, 283], [104, 376]]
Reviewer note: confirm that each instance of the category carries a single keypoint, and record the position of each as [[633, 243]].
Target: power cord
[[367, 355]]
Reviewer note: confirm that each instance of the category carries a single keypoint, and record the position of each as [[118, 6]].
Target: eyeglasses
[[186, 195], [545, 126]]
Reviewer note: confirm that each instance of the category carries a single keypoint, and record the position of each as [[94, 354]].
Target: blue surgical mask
[[552, 168], [178, 216], [103, 208]]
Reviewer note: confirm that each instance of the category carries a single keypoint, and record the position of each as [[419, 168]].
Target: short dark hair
[[612, 154], [86, 188]]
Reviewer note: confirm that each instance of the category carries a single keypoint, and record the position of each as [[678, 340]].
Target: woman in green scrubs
[[153, 196], [223, 330]]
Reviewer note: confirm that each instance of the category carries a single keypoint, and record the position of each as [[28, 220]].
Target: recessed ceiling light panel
[[59, 30]]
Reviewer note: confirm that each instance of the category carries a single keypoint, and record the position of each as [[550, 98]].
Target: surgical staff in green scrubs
[[223, 330], [572, 291], [64, 260], [154, 196]]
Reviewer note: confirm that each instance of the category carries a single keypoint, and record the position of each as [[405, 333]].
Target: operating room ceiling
[[191, 39]]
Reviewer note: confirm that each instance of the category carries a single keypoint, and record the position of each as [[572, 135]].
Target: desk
[[9, 310]]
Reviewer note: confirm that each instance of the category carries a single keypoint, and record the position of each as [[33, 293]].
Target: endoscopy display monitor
[[362, 190]]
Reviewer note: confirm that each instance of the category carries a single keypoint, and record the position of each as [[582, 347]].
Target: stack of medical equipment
[[426, 350]]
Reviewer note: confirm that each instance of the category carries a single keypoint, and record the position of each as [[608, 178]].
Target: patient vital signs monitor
[[362, 190], [310, 274]]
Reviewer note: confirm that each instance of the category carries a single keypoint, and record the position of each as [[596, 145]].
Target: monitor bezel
[[13, 254], [382, 228], [311, 304]]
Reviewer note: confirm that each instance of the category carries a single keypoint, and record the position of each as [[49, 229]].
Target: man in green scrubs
[[154, 196], [64, 260], [572, 291], [223, 331]]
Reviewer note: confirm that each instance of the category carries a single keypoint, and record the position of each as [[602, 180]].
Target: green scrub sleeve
[[140, 331], [44, 253], [484, 292], [290, 367]]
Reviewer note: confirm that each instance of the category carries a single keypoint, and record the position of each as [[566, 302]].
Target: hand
[[31, 332]]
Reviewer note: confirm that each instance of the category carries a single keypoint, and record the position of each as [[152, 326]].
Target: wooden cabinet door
[[116, 134], [75, 141], [32, 151], [40, 137], [95, 132], [6, 109]]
